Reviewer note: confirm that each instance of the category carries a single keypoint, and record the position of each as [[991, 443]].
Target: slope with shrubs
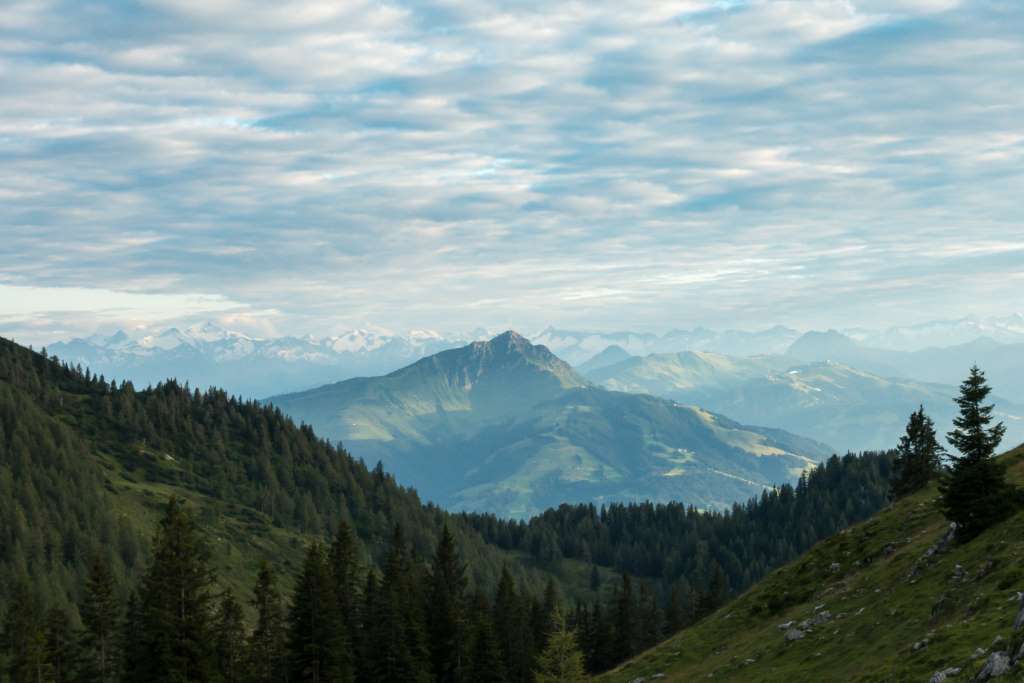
[[885, 600]]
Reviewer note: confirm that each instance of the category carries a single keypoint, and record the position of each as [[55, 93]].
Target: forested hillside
[[87, 467]]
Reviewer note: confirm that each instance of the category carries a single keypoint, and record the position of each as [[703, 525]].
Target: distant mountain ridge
[[849, 408], [506, 426]]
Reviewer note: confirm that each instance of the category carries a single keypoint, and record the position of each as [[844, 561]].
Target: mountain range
[[506, 426], [848, 408], [207, 354]]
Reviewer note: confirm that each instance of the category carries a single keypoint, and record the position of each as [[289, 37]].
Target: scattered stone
[[835, 567], [889, 549], [748, 662], [942, 676], [979, 652], [795, 634], [938, 548], [996, 641], [920, 645], [639, 679], [1018, 623], [859, 612], [822, 617], [788, 625], [656, 676], [1019, 658], [818, 608], [997, 664], [959, 574]]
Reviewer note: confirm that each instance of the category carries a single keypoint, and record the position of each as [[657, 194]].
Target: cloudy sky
[[309, 166]]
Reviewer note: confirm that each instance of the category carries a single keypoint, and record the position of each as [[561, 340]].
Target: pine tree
[[230, 640], [399, 651], [267, 654], [176, 602], [485, 660], [318, 649], [976, 494], [25, 638], [625, 621], [60, 646], [446, 611], [918, 456], [101, 619], [561, 661]]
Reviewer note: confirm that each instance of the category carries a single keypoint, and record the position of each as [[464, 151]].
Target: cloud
[[451, 164]]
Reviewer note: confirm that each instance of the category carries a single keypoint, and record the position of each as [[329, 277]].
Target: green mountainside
[[505, 426], [886, 600], [86, 469], [845, 407]]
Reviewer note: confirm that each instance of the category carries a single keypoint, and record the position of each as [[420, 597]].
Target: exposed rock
[[786, 626], [1019, 657], [818, 608], [939, 547], [889, 549], [979, 652], [920, 645], [795, 634], [639, 679], [997, 664], [959, 574], [656, 676], [822, 617], [942, 676], [1018, 623], [835, 568]]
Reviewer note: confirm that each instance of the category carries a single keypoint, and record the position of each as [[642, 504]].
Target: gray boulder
[[795, 634], [944, 675], [1018, 623], [997, 664]]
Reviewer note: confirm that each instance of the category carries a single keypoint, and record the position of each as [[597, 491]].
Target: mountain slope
[[610, 356], [506, 426], [880, 608], [850, 409], [86, 469], [1002, 363]]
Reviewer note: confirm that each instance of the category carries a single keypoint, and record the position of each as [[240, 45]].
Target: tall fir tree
[[101, 621], [626, 627], [561, 661], [976, 494], [446, 612], [399, 651], [61, 651], [229, 628], [25, 638], [318, 649], [485, 660], [267, 652], [176, 601], [918, 456]]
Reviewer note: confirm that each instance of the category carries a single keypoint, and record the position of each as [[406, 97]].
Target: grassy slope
[[884, 614]]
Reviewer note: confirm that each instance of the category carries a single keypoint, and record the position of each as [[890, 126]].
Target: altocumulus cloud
[[314, 164]]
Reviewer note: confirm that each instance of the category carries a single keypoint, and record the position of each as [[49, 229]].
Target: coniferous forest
[[171, 534]]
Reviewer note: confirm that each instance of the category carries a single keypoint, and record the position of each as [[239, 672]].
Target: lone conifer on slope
[[918, 456], [976, 494], [561, 660]]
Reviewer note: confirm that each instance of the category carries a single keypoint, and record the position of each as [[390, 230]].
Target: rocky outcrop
[[944, 675], [998, 664], [938, 548]]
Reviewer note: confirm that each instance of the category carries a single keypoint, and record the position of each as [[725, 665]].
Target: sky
[[308, 167]]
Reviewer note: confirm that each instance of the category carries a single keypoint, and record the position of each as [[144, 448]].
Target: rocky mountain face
[[506, 426]]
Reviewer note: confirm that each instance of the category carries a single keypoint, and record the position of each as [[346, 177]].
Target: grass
[[861, 576]]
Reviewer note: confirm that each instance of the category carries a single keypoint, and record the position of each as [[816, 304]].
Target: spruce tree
[[318, 649], [446, 611], [101, 621], [626, 626], [485, 660], [976, 494], [25, 638], [561, 661], [230, 640], [176, 604], [267, 653], [399, 651], [344, 566], [61, 653], [918, 456]]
